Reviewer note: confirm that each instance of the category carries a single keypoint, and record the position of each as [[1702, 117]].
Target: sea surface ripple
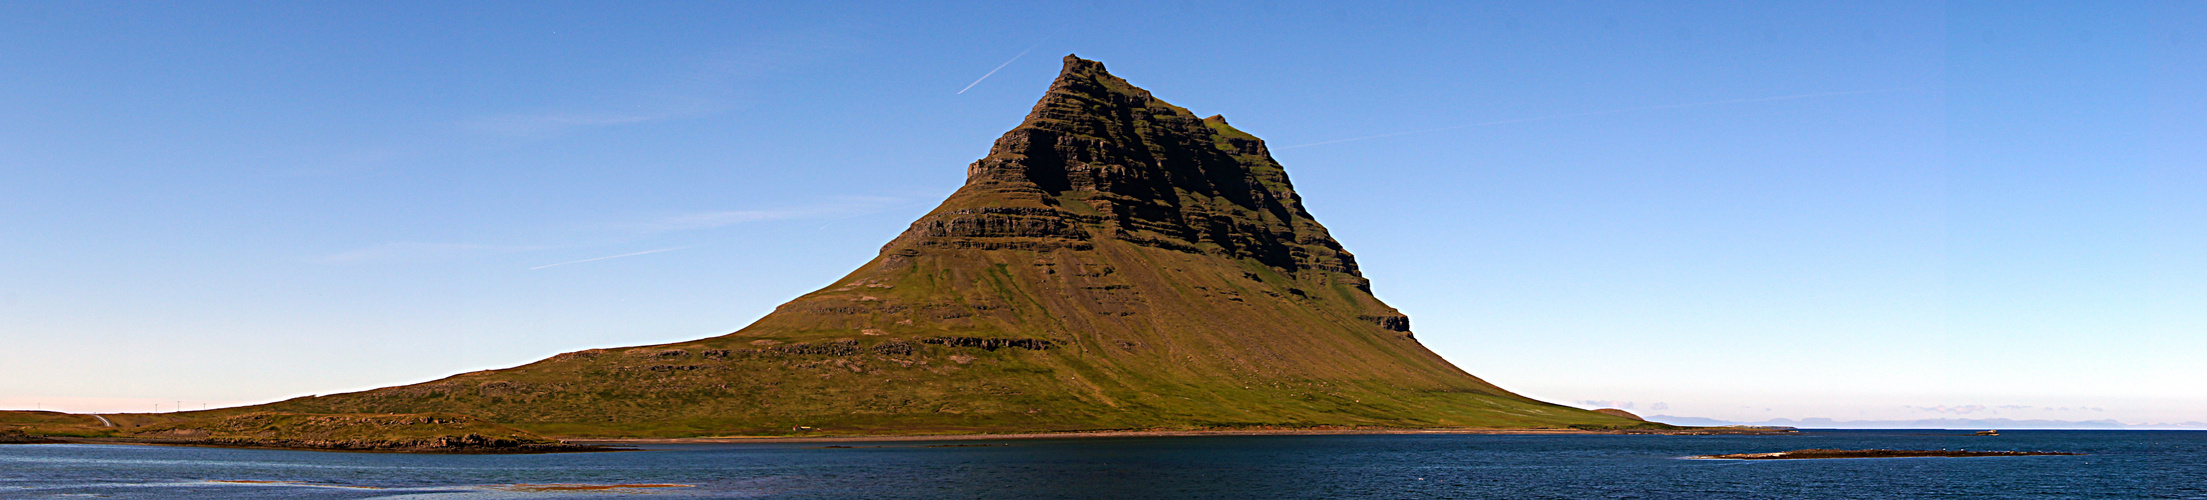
[[2115, 464]]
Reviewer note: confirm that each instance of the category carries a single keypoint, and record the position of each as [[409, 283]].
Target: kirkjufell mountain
[[1115, 262]]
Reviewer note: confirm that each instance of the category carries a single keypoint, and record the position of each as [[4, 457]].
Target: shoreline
[[567, 447], [599, 445], [1166, 433], [1837, 454]]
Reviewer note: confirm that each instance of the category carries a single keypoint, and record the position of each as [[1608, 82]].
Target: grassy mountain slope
[[1114, 263]]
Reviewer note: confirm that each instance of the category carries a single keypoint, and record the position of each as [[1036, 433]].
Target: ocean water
[[2116, 464]]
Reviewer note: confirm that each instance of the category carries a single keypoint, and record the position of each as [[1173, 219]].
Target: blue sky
[[1728, 210]]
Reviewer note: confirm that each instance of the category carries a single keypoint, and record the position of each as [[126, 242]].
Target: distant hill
[[1115, 262], [1939, 423]]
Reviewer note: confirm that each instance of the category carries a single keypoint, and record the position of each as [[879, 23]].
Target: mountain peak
[[1114, 262], [1077, 69], [1100, 152], [1073, 62]]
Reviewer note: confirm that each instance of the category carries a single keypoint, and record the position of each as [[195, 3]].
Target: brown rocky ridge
[[1114, 262], [1619, 413]]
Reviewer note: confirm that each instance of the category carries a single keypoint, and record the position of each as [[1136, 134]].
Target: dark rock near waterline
[[17, 436]]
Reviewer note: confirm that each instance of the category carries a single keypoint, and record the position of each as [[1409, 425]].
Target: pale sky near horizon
[[1728, 210]]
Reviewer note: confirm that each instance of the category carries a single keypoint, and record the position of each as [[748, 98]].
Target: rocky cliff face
[[1099, 160], [1100, 154], [1114, 262]]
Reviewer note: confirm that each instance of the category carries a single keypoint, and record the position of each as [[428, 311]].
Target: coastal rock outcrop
[[17, 436]]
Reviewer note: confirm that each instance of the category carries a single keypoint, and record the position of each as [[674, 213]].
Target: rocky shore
[[17, 436]]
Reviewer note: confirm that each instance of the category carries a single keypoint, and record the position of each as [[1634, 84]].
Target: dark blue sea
[[2115, 464]]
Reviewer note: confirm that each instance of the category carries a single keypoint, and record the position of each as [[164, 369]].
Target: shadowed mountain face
[[1099, 153], [1115, 262]]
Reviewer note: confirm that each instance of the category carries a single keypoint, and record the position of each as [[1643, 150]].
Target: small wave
[[549, 488], [304, 484]]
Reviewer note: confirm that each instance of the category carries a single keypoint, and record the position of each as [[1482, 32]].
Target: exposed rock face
[[1099, 152], [1099, 160], [1113, 262], [991, 344]]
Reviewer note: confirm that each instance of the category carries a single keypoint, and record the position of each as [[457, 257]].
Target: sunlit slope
[[1115, 262]]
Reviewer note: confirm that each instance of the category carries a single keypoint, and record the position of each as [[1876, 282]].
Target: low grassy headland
[[50, 424], [1821, 453], [414, 433]]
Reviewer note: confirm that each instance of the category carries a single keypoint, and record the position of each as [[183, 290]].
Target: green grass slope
[[1271, 358]]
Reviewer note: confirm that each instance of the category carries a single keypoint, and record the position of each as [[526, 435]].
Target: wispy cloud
[[525, 125], [713, 219], [630, 254], [1603, 112], [412, 251], [601, 235], [841, 207], [710, 84]]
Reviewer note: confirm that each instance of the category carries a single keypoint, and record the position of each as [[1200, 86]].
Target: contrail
[[1000, 67], [1608, 112], [613, 257]]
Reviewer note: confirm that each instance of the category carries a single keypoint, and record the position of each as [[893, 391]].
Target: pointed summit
[[1156, 174], [1113, 262]]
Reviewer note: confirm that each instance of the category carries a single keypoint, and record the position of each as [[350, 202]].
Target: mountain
[[1115, 262]]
